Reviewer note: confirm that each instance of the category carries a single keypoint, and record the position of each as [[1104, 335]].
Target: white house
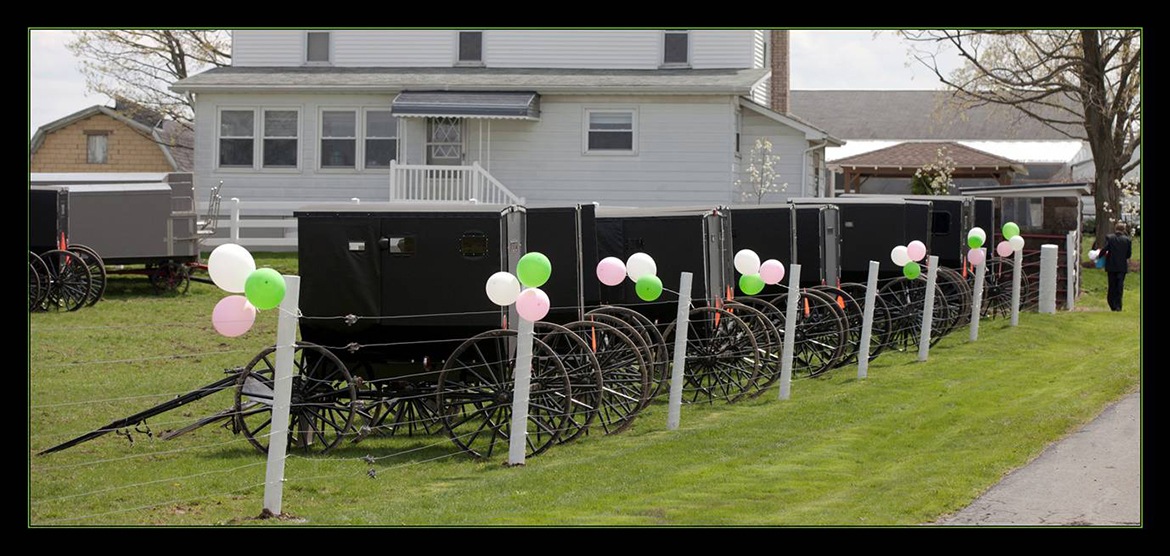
[[621, 117]]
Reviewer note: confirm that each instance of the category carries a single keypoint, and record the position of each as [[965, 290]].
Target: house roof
[[267, 79], [917, 154], [175, 141], [1029, 190], [917, 115], [811, 132]]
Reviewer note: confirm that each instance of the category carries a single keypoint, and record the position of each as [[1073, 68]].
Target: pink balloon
[[611, 271], [772, 271], [977, 256], [532, 304], [233, 316], [1004, 249], [916, 249]]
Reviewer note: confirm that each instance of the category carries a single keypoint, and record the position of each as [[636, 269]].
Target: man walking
[[1116, 251]]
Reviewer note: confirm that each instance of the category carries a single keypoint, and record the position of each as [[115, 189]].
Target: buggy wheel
[[39, 271], [957, 292], [820, 332], [768, 339], [853, 313], [907, 300], [637, 385], [658, 357], [34, 287], [880, 328], [623, 372], [584, 376], [69, 281], [474, 396], [97, 272], [722, 356], [324, 399], [997, 288], [169, 278]]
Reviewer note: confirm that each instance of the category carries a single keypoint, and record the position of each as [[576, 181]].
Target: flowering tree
[[761, 173], [934, 178], [1130, 200]]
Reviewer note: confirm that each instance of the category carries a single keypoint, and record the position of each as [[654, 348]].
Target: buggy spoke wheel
[[69, 281], [658, 357], [629, 381], [39, 270], [474, 395], [324, 399], [722, 357], [820, 332], [757, 314], [170, 278], [623, 372], [97, 271], [880, 331], [584, 376], [852, 313]]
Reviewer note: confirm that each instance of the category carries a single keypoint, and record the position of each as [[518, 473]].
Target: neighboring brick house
[[101, 139]]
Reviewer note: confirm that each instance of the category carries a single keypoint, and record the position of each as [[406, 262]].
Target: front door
[[445, 141]]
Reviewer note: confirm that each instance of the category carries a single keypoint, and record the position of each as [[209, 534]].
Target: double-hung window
[[280, 138], [339, 139], [96, 147], [611, 131], [278, 131], [237, 134], [381, 139], [358, 139]]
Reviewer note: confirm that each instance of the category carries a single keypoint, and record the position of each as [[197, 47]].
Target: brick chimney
[[779, 84]]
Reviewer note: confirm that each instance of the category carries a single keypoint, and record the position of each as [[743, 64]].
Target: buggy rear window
[[473, 245]]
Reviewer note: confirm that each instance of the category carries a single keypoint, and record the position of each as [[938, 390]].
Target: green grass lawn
[[910, 443]]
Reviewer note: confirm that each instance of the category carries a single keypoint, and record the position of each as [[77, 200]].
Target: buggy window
[[402, 245], [473, 245], [940, 223]]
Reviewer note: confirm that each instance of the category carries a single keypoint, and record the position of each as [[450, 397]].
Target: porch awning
[[500, 105]]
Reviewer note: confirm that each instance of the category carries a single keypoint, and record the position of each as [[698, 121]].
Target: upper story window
[[611, 131], [96, 150], [676, 48], [317, 47], [470, 48]]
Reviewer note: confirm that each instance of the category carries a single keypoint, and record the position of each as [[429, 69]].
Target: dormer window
[[317, 47], [676, 49], [470, 48]]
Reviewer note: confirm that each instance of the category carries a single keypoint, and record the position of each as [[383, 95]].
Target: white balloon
[[900, 256], [503, 288], [977, 231], [639, 265], [1093, 253], [229, 266], [1017, 242], [747, 262]]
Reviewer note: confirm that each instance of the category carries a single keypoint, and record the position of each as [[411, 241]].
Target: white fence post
[[1048, 254], [1016, 274], [234, 230], [789, 332], [673, 413], [867, 320], [518, 436], [928, 310], [1072, 250], [393, 179], [286, 337], [977, 299]]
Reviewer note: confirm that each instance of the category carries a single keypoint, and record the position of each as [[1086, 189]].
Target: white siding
[[394, 49], [586, 49], [268, 48], [759, 49], [787, 143], [721, 49], [305, 184], [684, 153]]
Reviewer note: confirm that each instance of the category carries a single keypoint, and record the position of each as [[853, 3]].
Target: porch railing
[[423, 182]]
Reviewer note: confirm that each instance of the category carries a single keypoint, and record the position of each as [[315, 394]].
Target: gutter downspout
[[804, 165]]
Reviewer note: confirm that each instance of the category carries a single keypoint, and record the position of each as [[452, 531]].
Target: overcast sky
[[819, 60]]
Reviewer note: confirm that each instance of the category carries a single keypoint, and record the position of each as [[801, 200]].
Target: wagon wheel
[[97, 272], [880, 328], [637, 381], [39, 270], [69, 280], [34, 287], [820, 332], [169, 278], [722, 358], [623, 370], [584, 373], [474, 395], [768, 339], [389, 407], [853, 313], [659, 355], [907, 299], [324, 399], [997, 288], [957, 292]]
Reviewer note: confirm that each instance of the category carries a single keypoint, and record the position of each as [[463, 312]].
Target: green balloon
[[975, 242], [533, 269], [1010, 230], [264, 288], [648, 287], [912, 270], [751, 284]]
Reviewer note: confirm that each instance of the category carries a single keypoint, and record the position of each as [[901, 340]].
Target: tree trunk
[[1106, 162], [1105, 195]]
